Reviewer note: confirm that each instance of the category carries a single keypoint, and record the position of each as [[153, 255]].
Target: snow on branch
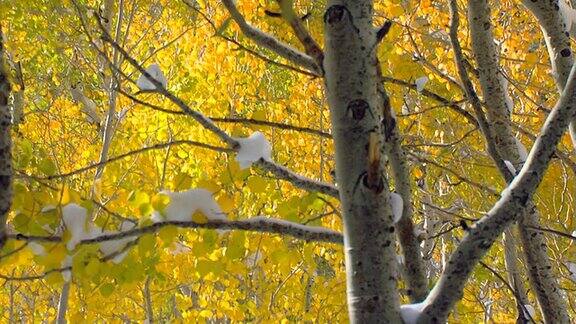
[[252, 149], [270, 42], [280, 171], [146, 84], [449, 289], [259, 224]]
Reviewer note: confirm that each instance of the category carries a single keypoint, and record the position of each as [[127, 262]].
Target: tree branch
[[271, 43], [259, 224]]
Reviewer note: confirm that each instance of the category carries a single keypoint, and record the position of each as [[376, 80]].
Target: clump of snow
[[156, 217], [37, 249], [510, 167], [74, 217], [253, 259], [252, 149], [507, 98], [154, 70], [522, 152], [397, 205], [185, 203], [113, 246], [420, 83], [572, 269], [530, 310], [411, 312]]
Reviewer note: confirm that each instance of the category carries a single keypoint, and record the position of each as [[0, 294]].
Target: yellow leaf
[[199, 217], [226, 203], [257, 184], [209, 185]]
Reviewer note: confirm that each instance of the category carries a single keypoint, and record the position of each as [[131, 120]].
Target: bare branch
[[298, 180], [131, 153]]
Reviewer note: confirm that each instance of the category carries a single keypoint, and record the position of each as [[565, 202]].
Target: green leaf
[[106, 289], [223, 26]]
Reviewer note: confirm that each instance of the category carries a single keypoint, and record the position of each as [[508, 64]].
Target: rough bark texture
[[499, 108], [355, 104], [5, 147]]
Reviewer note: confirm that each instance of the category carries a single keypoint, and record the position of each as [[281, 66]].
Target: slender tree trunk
[[356, 106], [414, 273], [5, 146], [499, 110], [63, 303]]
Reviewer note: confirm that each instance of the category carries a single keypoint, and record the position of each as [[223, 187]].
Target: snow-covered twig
[[285, 174], [510, 206], [246, 49], [255, 224], [270, 42]]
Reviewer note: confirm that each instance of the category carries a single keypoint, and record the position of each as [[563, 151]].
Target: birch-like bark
[[261, 38], [514, 274], [499, 109], [512, 204], [6, 173], [556, 35], [414, 273], [350, 67]]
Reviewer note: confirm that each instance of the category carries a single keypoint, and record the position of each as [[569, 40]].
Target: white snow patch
[[411, 312], [37, 249], [253, 259], [156, 217], [252, 149], [522, 152], [113, 246], [74, 217], [185, 203], [531, 311], [180, 248], [154, 70], [572, 269], [507, 98], [510, 167], [420, 83], [397, 205]]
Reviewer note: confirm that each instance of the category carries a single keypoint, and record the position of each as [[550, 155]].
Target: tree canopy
[[183, 160]]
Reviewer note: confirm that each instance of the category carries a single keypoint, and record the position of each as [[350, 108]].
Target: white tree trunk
[[355, 104]]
